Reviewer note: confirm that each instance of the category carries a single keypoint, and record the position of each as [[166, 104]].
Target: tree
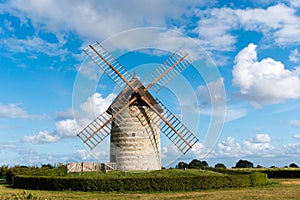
[[181, 165], [293, 165], [3, 170], [220, 166], [244, 164], [197, 164]]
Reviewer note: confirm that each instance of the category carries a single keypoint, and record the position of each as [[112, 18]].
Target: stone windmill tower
[[135, 118]]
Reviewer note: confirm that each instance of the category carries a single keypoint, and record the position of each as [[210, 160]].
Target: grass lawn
[[277, 189]]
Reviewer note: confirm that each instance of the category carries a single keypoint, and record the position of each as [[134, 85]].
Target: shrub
[[244, 164], [188, 183], [220, 165], [281, 173]]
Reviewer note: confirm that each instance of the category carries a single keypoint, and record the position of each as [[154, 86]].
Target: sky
[[240, 96]]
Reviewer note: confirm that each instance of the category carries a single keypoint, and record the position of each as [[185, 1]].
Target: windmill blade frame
[[173, 128], [168, 70], [101, 125], [96, 131], [111, 66], [174, 65]]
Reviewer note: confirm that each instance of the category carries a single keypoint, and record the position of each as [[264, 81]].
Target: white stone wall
[[83, 167], [131, 146]]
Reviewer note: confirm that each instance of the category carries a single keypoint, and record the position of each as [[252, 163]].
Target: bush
[[281, 173], [35, 171], [244, 164], [182, 165], [189, 183], [293, 165], [197, 164], [220, 165]]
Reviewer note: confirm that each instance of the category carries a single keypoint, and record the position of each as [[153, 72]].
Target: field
[[277, 189]]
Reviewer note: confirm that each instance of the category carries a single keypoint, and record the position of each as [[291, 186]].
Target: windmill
[[135, 118]]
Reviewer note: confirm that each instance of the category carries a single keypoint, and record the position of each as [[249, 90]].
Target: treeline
[[197, 164]]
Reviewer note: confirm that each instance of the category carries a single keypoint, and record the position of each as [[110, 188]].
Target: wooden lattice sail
[[135, 119]]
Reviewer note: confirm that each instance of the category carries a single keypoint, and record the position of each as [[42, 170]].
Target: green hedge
[[281, 173], [138, 183]]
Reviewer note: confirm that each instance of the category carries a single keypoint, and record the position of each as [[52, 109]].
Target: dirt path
[[290, 182]]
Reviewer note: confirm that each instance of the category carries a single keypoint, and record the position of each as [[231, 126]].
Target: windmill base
[[132, 147]]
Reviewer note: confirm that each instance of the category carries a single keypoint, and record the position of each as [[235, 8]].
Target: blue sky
[[243, 105]]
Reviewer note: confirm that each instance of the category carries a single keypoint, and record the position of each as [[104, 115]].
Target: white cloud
[[295, 122], [16, 111], [229, 148], [33, 45], [266, 81], [258, 145], [96, 104], [66, 128], [90, 109], [214, 28], [93, 20], [85, 155], [278, 23], [41, 137], [297, 137], [294, 56], [291, 150], [295, 3], [12, 111], [261, 138]]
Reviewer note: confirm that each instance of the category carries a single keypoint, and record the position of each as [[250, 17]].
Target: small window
[[133, 134]]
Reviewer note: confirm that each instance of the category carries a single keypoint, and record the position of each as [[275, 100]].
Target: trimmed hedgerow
[[281, 173], [190, 183]]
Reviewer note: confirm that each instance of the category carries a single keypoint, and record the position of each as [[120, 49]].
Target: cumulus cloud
[[294, 56], [214, 28], [258, 145], [264, 82], [41, 137], [278, 23], [229, 147], [96, 104], [66, 128], [261, 138]]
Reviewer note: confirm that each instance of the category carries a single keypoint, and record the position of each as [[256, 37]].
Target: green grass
[[273, 191]]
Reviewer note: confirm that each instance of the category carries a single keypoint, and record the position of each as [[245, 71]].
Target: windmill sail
[[96, 131], [108, 64], [100, 128], [168, 70], [175, 130]]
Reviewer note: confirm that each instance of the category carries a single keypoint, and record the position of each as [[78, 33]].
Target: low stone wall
[[83, 167]]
